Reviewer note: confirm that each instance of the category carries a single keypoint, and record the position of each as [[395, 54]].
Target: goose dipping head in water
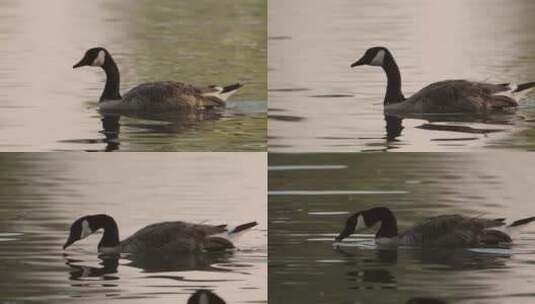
[[160, 238], [448, 96], [439, 231], [164, 96]]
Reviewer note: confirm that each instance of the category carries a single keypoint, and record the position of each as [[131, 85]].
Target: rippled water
[[318, 103], [42, 194], [46, 105], [311, 195]]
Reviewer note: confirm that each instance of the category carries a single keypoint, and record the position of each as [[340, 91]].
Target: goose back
[[175, 237], [166, 96], [455, 96], [455, 231]]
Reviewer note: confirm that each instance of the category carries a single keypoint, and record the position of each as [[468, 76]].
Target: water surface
[[311, 195], [42, 194], [46, 105], [318, 103]]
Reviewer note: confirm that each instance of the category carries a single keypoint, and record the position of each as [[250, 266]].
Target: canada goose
[[161, 96], [440, 231], [156, 238], [106, 267], [448, 96]]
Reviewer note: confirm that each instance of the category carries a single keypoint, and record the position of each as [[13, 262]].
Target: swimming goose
[[440, 231], [156, 238], [448, 96], [161, 96]]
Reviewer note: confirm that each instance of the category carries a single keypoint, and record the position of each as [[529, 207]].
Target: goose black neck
[[113, 80], [110, 238], [393, 78], [387, 220]]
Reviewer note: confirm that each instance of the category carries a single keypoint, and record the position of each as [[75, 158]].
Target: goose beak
[[69, 242], [347, 232], [339, 238], [81, 63], [359, 62]]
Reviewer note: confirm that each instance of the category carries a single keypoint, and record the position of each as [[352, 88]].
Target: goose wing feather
[[174, 237], [455, 231], [461, 96], [170, 95]]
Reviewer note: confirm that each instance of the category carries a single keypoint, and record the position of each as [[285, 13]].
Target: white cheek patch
[[99, 61], [86, 230], [361, 225], [379, 58]]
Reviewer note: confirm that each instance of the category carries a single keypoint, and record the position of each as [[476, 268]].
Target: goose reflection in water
[[110, 129], [153, 123], [449, 123], [375, 274], [393, 127], [109, 264], [378, 269]]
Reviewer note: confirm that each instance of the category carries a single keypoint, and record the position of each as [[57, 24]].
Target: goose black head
[[355, 223], [368, 218], [93, 57], [80, 229], [374, 56]]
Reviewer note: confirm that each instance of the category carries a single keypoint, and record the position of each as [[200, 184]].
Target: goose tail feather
[[231, 88], [524, 86], [522, 222], [243, 227], [511, 228], [224, 93], [514, 92], [235, 232]]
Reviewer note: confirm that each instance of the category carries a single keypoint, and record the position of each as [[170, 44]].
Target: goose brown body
[[175, 237], [456, 96], [455, 231], [167, 96]]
